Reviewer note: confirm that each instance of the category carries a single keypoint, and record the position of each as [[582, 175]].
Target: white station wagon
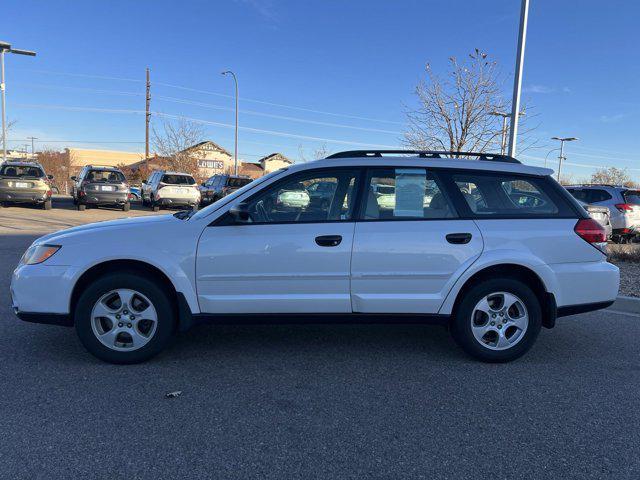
[[490, 247]]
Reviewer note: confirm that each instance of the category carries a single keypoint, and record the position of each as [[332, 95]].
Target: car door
[[290, 257], [410, 245]]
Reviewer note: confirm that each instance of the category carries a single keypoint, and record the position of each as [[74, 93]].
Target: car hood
[[110, 225]]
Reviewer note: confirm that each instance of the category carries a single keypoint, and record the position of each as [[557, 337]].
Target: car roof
[[17, 163], [599, 187], [416, 161]]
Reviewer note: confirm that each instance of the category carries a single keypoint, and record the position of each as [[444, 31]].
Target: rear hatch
[[599, 214], [105, 182], [20, 177], [234, 184], [178, 186], [632, 206]]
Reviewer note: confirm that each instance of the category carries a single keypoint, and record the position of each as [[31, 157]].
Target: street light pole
[[235, 153], [6, 48], [503, 143], [561, 157], [33, 151], [517, 80]]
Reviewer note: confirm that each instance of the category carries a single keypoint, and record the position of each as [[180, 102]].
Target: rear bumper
[[105, 198], [584, 284], [26, 195], [178, 202]]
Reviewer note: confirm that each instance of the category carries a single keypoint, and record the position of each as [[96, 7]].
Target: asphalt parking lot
[[312, 401]]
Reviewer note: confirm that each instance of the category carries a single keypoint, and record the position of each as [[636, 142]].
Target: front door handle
[[458, 238], [329, 240]]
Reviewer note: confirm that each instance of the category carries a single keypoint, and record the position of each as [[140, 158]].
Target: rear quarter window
[[178, 179], [632, 197], [504, 195]]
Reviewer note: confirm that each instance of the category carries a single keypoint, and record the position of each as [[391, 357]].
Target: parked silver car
[[25, 182], [600, 215], [100, 186], [623, 204]]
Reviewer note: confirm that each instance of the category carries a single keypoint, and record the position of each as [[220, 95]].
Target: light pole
[[235, 80], [503, 143], [546, 157], [561, 157], [517, 79], [6, 48], [33, 150]]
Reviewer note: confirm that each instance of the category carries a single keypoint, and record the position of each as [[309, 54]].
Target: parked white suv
[[490, 247], [170, 189], [623, 204]]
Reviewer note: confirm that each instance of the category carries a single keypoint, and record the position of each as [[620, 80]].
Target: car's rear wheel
[[497, 320], [125, 317], [126, 207], [47, 205], [82, 207]]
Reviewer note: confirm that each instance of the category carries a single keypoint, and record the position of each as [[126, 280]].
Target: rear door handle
[[329, 240], [458, 238]]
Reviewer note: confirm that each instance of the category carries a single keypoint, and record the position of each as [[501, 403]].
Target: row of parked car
[[616, 208]]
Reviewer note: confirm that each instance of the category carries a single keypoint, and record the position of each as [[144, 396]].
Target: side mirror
[[74, 178], [240, 213], [50, 177]]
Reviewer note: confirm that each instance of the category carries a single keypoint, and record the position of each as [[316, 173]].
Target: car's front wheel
[[497, 320], [124, 317]]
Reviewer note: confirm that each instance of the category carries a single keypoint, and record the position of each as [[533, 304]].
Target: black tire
[[154, 206], [126, 207], [47, 205], [133, 280], [461, 329], [81, 207]]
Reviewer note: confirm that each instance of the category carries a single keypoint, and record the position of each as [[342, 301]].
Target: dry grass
[[624, 253]]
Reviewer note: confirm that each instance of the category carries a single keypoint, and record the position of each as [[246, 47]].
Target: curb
[[626, 304]]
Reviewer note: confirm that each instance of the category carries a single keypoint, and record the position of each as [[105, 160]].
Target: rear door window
[[405, 194], [508, 195]]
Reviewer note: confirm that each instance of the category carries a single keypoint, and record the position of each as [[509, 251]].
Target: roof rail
[[485, 157]]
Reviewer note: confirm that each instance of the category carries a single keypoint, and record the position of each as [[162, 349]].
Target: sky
[[332, 74]]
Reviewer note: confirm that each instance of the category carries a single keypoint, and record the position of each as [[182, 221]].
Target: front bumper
[[23, 195], [41, 289]]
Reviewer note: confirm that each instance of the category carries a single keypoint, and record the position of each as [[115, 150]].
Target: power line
[[203, 122], [207, 92]]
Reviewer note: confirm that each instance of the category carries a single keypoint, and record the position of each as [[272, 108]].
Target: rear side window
[[405, 194], [506, 195], [632, 197], [171, 179]]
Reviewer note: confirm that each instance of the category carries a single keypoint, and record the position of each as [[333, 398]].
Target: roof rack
[[485, 157]]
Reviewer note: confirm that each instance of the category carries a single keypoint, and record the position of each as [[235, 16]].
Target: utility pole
[[236, 142], [6, 48], [562, 157], [517, 80], [33, 151], [147, 120]]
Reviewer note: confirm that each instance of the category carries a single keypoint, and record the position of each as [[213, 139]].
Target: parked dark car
[[25, 182], [100, 186], [219, 186]]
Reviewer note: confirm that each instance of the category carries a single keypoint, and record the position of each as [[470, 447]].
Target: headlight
[[38, 254]]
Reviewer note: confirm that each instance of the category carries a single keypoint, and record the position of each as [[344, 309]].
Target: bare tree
[[612, 176], [173, 143], [317, 154], [57, 164], [454, 113]]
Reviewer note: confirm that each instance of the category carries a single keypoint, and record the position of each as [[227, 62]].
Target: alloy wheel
[[499, 320]]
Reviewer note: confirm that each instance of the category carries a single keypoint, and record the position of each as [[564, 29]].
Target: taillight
[[49, 193], [82, 193], [624, 207], [590, 231]]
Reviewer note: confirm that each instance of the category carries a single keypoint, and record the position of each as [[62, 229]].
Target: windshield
[[238, 182], [18, 171], [171, 179], [249, 186], [104, 176]]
